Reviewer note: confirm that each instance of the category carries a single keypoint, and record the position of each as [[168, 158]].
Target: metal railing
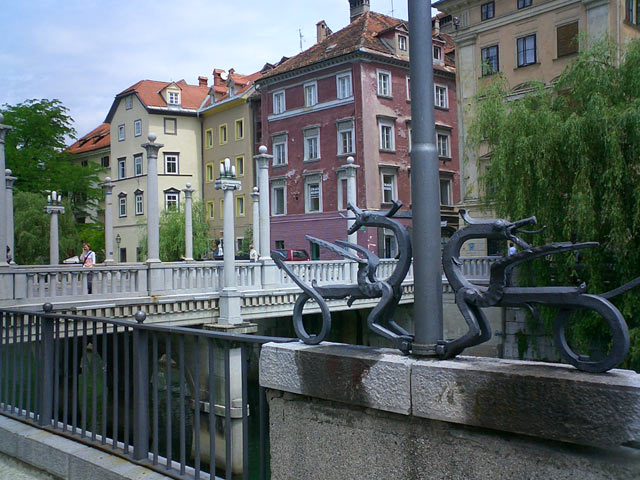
[[180, 401]]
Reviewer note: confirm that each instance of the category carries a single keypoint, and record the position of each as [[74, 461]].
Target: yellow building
[[524, 40], [228, 132]]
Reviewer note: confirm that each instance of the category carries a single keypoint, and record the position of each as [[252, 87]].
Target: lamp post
[[255, 196], [107, 186], [10, 228], [3, 219], [54, 208], [229, 298], [118, 240]]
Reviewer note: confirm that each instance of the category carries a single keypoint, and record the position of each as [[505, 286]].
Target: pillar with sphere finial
[[3, 193], [54, 208], [270, 272], [10, 228], [107, 187], [255, 196], [188, 223], [350, 170], [153, 210]]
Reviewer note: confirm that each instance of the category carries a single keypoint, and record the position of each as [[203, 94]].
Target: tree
[[172, 234], [570, 154], [32, 226], [35, 152]]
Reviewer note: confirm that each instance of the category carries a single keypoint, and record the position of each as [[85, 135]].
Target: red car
[[293, 255]]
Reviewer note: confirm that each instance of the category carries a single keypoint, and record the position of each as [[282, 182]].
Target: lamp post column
[[188, 223], [153, 210], [3, 194], [270, 273], [10, 226], [107, 186], [350, 170], [229, 297], [54, 208], [255, 196]]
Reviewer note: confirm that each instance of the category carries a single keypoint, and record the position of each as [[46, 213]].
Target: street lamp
[[118, 240]]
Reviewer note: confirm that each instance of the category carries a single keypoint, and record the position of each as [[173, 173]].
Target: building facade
[[349, 95], [524, 40]]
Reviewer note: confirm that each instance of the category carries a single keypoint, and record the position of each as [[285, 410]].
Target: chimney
[[358, 7], [436, 26], [203, 81], [322, 31], [217, 77]]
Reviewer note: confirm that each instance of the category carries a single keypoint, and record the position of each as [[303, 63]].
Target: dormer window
[[437, 54], [402, 43], [174, 98]]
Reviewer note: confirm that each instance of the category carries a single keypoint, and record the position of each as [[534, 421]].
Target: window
[[389, 244], [409, 139], [240, 129], [408, 89], [84, 163], [402, 43], [384, 83], [566, 39], [344, 85], [524, 3], [174, 98], [345, 137], [210, 209], [123, 255], [209, 172], [387, 140], [137, 128], [279, 150], [310, 94], [389, 181], [240, 166], [128, 102], [122, 167], [437, 53], [487, 10], [172, 200], [139, 202], [239, 242], [122, 205], [443, 145], [120, 133], [278, 102], [311, 144], [222, 134], [490, 63], [222, 208], [629, 11], [240, 206], [441, 97], [104, 161], [312, 194], [137, 164], [280, 244], [342, 193], [170, 126], [445, 191], [171, 163], [526, 50], [278, 197], [208, 136]]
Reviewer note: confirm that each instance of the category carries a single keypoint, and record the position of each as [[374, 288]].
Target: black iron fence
[[185, 402]]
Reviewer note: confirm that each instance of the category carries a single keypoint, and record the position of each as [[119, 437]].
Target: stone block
[[374, 378], [549, 401]]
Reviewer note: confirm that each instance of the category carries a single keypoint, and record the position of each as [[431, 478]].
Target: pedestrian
[[253, 254], [220, 251], [88, 260], [9, 254], [512, 249]]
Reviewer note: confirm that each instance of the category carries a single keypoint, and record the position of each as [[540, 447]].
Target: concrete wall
[[341, 412]]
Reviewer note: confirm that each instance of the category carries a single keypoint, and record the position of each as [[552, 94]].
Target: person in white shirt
[[88, 259], [253, 254]]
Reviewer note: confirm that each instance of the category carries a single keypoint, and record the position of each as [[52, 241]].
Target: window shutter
[[567, 39]]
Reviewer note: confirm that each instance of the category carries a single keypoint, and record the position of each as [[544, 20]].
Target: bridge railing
[[181, 401]]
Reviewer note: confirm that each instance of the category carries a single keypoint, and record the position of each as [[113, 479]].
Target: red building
[[348, 95]]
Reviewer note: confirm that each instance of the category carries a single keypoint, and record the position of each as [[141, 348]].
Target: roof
[[96, 139], [363, 34], [242, 84]]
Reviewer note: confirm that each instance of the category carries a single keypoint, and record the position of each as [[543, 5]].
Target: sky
[[84, 52]]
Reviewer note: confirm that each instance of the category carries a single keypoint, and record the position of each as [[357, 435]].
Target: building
[[349, 95], [168, 109], [524, 40], [228, 126]]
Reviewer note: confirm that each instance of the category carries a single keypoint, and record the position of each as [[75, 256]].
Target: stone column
[[10, 227], [153, 210], [54, 208], [350, 170], [255, 196], [3, 194], [188, 223], [107, 186], [229, 297], [270, 273]]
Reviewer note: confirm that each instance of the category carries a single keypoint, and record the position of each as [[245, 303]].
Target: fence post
[[140, 390], [46, 392]]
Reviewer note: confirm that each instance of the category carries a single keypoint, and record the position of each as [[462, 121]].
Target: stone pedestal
[[350, 170], [107, 186], [153, 209]]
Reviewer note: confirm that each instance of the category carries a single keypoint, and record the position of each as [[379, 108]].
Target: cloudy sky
[[84, 52]]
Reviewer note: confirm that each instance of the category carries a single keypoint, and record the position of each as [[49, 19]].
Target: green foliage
[[32, 227], [35, 153], [570, 154], [172, 234], [93, 234], [247, 241]]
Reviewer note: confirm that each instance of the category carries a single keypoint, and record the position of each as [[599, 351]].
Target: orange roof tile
[[242, 84], [148, 92], [94, 140]]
